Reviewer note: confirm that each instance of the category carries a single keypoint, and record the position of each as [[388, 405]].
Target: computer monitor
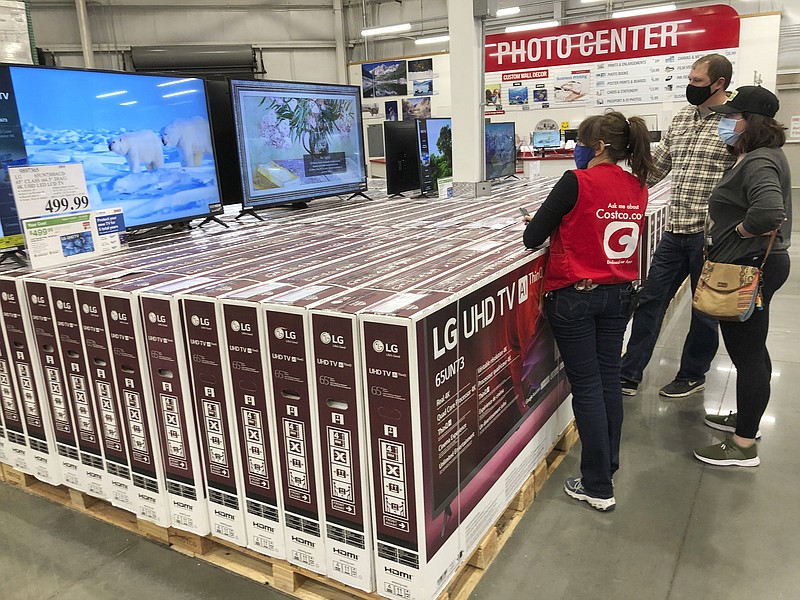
[[570, 135], [655, 135]]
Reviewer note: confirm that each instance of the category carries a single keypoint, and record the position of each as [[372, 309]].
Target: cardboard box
[[39, 449], [136, 404], [105, 391], [170, 381], [459, 396]]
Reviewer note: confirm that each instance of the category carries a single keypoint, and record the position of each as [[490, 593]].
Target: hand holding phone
[[524, 211]]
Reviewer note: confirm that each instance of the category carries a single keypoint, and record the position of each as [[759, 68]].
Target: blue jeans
[[676, 256], [589, 326]]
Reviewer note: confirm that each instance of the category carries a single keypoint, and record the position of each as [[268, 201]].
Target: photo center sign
[[615, 61]]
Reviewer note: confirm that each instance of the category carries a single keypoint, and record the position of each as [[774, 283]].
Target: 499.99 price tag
[[49, 189]]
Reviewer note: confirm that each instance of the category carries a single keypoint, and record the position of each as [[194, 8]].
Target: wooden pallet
[[291, 579]]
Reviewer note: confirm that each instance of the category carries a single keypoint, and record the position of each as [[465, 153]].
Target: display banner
[[616, 62], [677, 32]]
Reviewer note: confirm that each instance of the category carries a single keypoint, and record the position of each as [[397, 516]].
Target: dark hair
[[627, 139], [761, 132], [718, 66]]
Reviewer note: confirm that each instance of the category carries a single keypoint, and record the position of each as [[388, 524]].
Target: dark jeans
[[676, 256], [746, 343], [588, 327]]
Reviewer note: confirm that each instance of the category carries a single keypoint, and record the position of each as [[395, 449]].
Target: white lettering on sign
[[588, 44]]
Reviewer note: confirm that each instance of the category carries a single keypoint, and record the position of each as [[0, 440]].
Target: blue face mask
[[583, 154], [726, 132]]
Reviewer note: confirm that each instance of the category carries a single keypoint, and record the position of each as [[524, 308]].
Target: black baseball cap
[[751, 99]]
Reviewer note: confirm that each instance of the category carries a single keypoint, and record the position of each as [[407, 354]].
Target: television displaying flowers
[[298, 141]]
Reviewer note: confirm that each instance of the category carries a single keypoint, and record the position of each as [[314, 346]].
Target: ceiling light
[[531, 26], [637, 12], [387, 29], [436, 39], [507, 12]]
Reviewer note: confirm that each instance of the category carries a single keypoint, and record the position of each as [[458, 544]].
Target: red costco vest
[[599, 238]]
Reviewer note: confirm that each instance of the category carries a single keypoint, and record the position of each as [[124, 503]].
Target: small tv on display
[[546, 139], [298, 141], [570, 135], [144, 140], [402, 158], [501, 153], [435, 147]]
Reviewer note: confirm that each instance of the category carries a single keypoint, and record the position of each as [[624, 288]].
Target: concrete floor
[[681, 530]]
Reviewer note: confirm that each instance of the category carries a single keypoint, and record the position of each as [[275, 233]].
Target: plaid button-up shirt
[[693, 151]]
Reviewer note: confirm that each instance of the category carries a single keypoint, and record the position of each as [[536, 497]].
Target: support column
[[338, 29], [86, 34], [466, 89]]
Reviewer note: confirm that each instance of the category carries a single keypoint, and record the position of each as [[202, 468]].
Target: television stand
[[510, 177], [248, 211], [211, 218], [358, 194], [17, 256]]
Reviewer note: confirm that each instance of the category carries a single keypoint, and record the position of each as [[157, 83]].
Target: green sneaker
[[726, 423], [728, 454]]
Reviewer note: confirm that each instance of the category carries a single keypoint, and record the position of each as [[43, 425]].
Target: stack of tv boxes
[[359, 390]]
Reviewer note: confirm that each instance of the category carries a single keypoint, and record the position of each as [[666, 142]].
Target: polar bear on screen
[[139, 148], [192, 137]]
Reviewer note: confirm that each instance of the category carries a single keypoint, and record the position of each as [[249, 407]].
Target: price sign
[[49, 189], [63, 239]]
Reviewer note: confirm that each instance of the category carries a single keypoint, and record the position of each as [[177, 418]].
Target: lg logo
[[620, 239], [327, 338], [90, 309], [154, 318], [118, 316], [381, 347], [282, 333], [37, 299], [197, 321], [246, 327]]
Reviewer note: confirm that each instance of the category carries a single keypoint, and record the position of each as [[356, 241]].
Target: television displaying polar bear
[[139, 148], [192, 137]]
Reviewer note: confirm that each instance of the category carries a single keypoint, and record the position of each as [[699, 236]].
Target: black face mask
[[697, 95]]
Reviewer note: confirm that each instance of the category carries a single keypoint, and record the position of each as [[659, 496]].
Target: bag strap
[[769, 247]]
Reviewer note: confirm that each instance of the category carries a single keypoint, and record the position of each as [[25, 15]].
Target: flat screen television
[[224, 138], [501, 152], [144, 140], [655, 136], [435, 147], [402, 158], [298, 141], [546, 139], [570, 135]]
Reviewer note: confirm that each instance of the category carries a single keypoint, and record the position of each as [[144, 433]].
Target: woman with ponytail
[[593, 217]]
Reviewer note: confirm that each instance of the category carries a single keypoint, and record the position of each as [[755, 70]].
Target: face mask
[[726, 132], [697, 95], [583, 154]]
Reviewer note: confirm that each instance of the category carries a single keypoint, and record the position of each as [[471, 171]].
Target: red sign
[[540, 74], [676, 32]]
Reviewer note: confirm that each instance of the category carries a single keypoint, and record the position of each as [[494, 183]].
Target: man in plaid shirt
[[696, 156]]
